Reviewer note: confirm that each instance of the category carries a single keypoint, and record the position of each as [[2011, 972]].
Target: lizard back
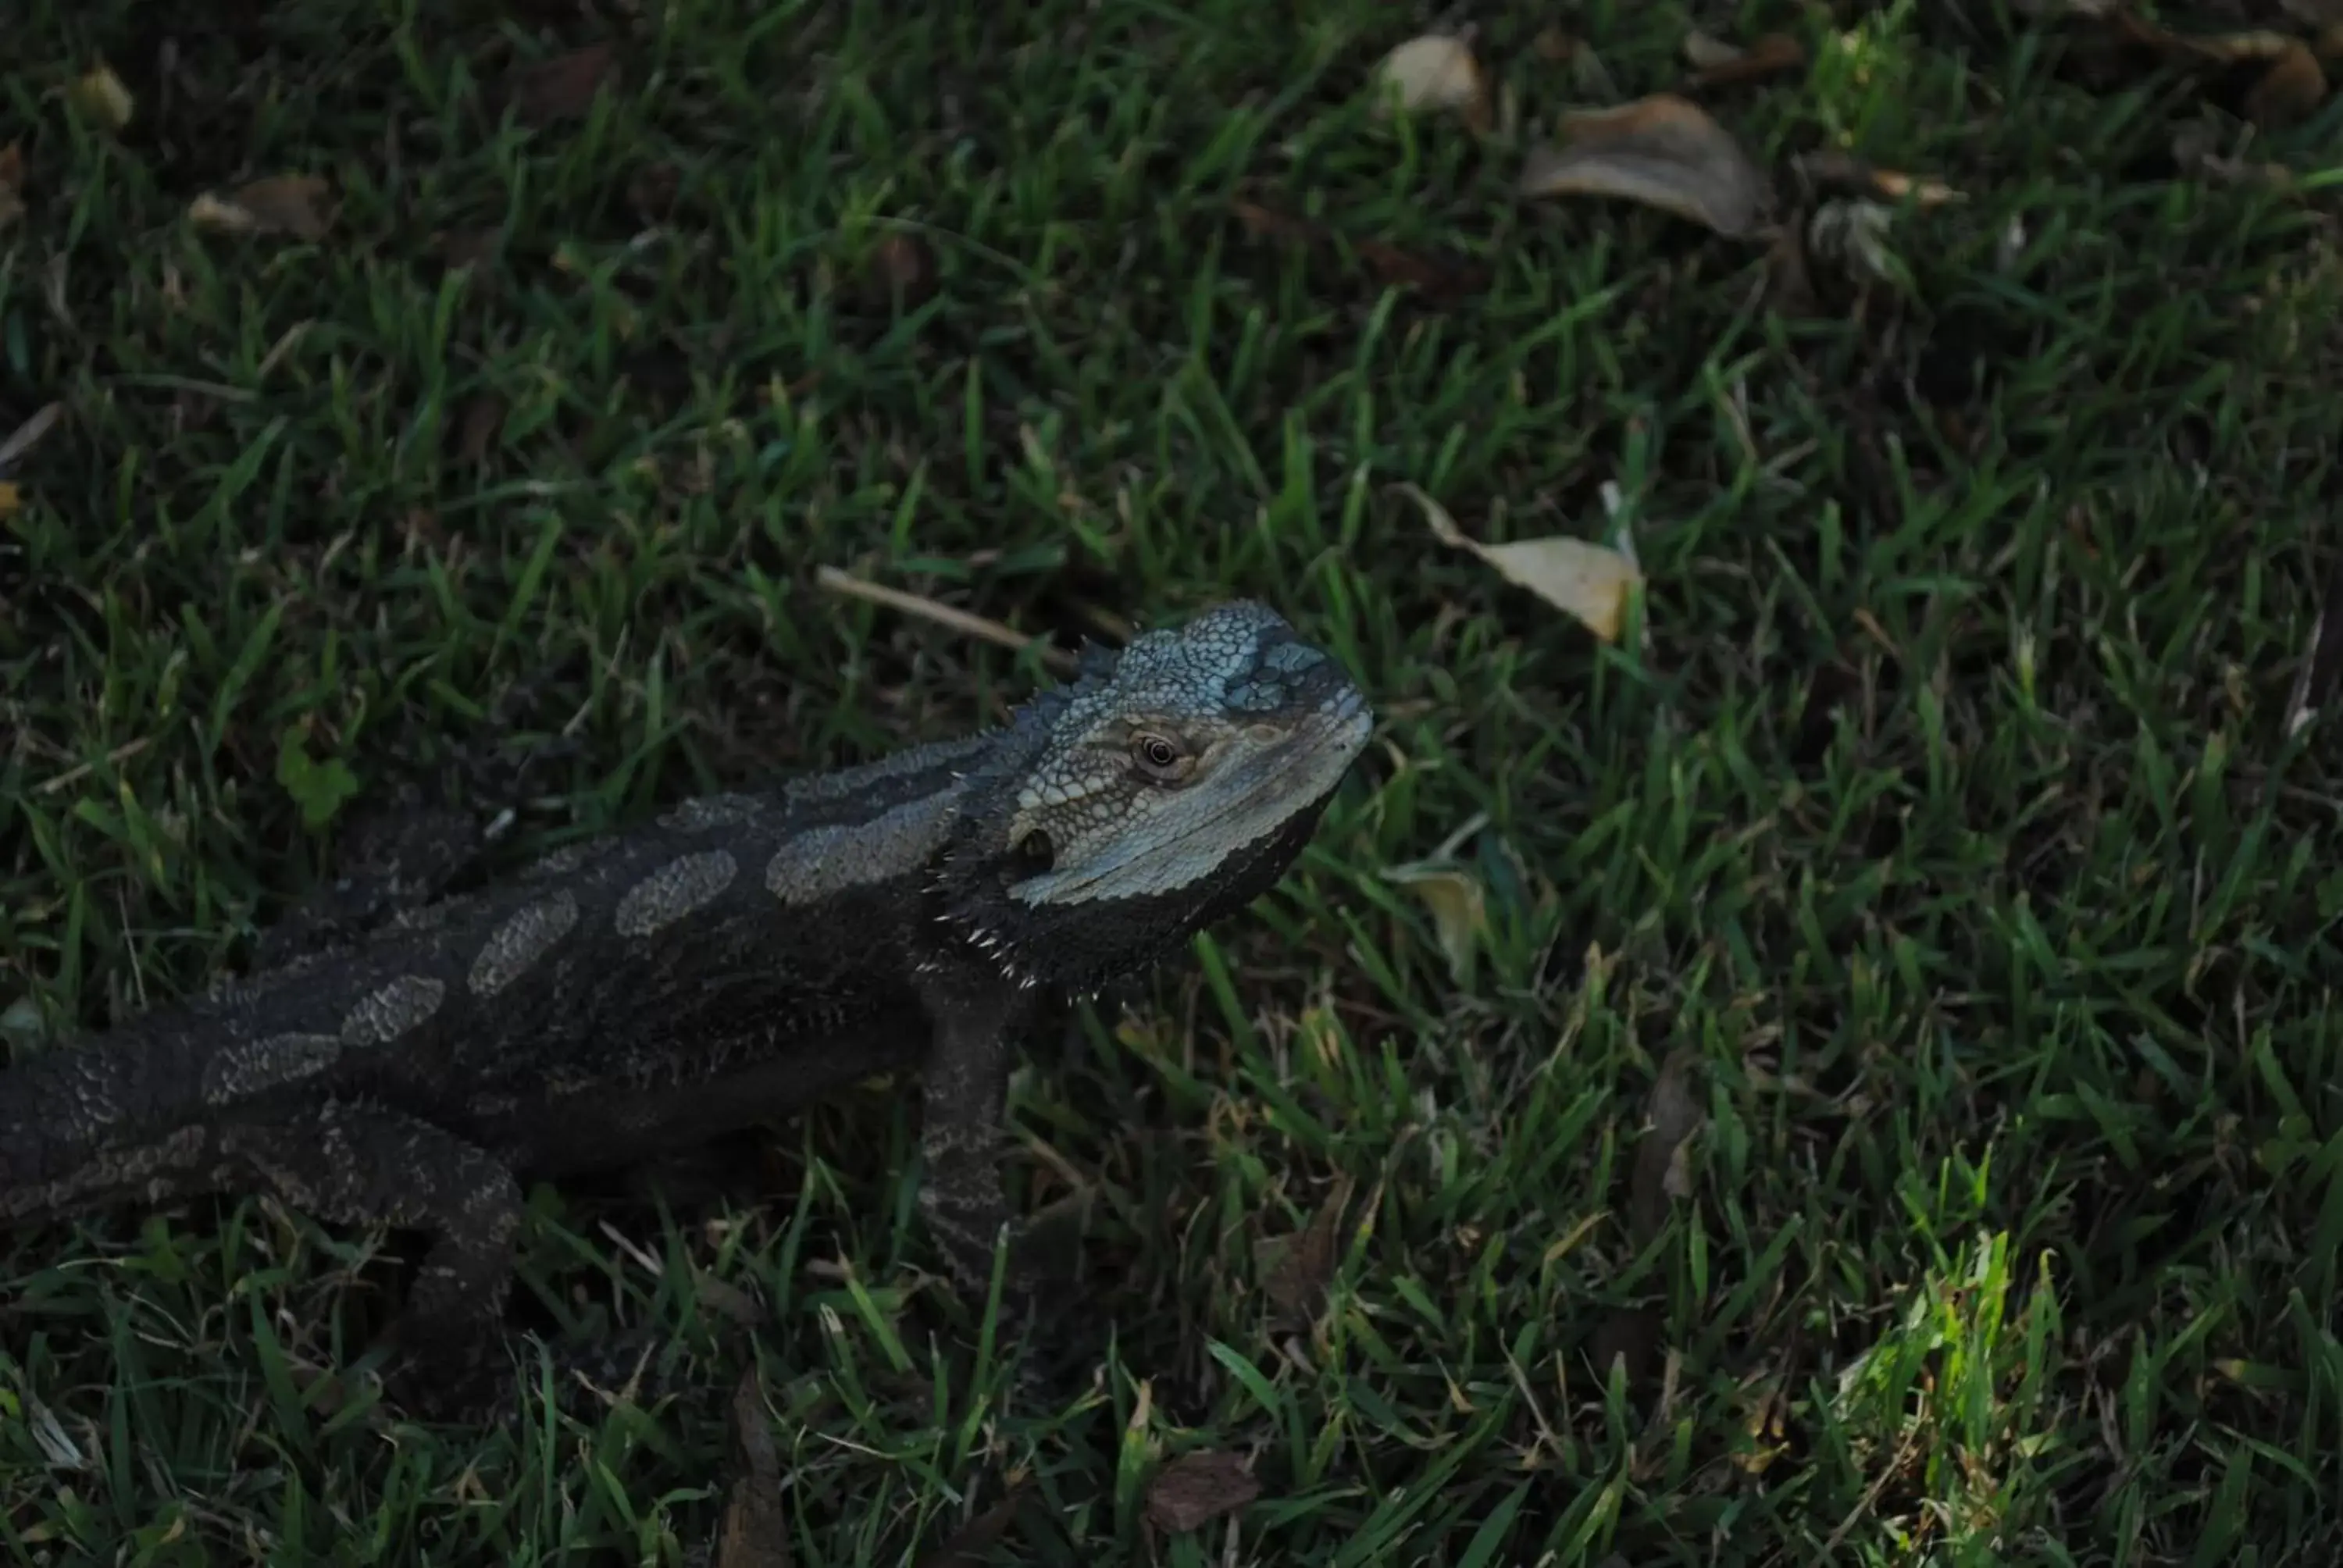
[[731, 928]]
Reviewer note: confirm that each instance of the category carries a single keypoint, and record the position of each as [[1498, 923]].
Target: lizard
[[712, 970]]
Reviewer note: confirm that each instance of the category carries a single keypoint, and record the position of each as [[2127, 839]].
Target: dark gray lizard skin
[[712, 970]]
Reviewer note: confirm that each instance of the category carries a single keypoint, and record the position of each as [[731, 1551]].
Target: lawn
[[1844, 1071]]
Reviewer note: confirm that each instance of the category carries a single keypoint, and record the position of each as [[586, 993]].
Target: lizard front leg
[[964, 1094], [362, 1164]]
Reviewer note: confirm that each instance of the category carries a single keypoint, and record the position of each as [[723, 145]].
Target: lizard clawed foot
[[1041, 1326], [482, 1379], [442, 1378]]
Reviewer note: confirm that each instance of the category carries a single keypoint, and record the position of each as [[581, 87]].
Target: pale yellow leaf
[[297, 205], [100, 96], [1435, 72], [1588, 582], [1661, 151], [1458, 909]]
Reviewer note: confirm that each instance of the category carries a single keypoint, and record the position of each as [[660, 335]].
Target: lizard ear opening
[[1035, 852]]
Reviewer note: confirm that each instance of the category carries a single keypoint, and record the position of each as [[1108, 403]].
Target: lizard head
[[1171, 784]]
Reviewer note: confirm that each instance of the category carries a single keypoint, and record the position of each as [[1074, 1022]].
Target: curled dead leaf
[[903, 262], [482, 421], [1664, 152], [755, 1531], [1588, 582], [295, 204], [652, 190], [99, 97], [2290, 90], [12, 185], [563, 87], [1662, 1173], [1300, 1267], [1197, 1488], [1458, 908], [2291, 83], [1716, 63], [1440, 276], [966, 1547], [1435, 72]]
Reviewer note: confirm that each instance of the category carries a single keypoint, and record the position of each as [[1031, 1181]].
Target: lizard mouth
[[1258, 795]]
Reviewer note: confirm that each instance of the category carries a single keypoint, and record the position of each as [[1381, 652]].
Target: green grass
[[1942, 823]]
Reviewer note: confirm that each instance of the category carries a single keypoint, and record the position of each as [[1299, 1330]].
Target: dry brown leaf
[[1436, 275], [1703, 53], [12, 185], [966, 1547], [2291, 90], [1845, 171], [1305, 1261], [652, 190], [1789, 279], [724, 1298], [1633, 1335], [295, 204], [1720, 64], [1267, 222], [101, 97], [463, 248], [1435, 72], [904, 262], [2204, 48], [1459, 912], [1589, 582], [755, 1531], [563, 87], [1663, 151], [1660, 1174], [1439, 275], [1197, 1488], [483, 419], [12, 501]]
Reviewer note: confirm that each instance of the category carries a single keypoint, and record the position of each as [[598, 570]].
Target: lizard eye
[[1159, 758], [1036, 850]]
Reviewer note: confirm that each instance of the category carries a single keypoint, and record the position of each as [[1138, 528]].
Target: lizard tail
[[79, 1122]]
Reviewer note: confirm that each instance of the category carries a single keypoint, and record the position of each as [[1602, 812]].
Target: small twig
[[28, 434], [119, 755], [959, 621]]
